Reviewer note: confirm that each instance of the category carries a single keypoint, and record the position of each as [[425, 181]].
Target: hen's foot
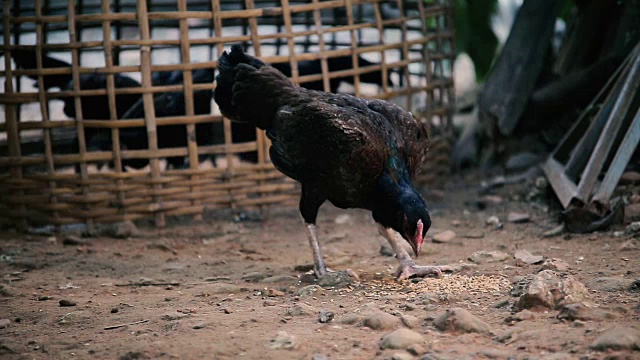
[[410, 269]]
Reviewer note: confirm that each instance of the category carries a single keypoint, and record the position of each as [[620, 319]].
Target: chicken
[[246, 132], [165, 104], [355, 153]]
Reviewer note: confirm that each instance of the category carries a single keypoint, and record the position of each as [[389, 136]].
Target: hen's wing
[[412, 139], [330, 139]]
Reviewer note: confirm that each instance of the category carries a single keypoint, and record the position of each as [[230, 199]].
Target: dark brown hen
[[356, 153]]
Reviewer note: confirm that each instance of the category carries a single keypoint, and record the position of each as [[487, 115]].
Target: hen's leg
[[407, 266], [310, 203], [319, 267]]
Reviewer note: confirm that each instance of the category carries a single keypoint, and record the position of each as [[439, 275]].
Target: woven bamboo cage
[[49, 174]]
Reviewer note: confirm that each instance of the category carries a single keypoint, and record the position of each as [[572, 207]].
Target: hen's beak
[[417, 239]]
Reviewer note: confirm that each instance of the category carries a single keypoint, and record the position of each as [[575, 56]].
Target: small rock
[[520, 316], [409, 321], [6, 291], [223, 288], [44, 298], [309, 289], [115, 310], [493, 221], [335, 279], [617, 338], [401, 356], [518, 218], [122, 230], [488, 257], [4, 323], [275, 293], [380, 320], [550, 289], [400, 339], [501, 303], [633, 228], [444, 237], [343, 219], [325, 317], [319, 357], [280, 279], [629, 245], [65, 302], [523, 257], [610, 284], [416, 349], [555, 265], [284, 341], [350, 319], [269, 303], [508, 335], [459, 319], [554, 232], [301, 309], [73, 241], [580, 311], [172, 316], [386, 250], [227, 311], [253, 276], [200, 326]]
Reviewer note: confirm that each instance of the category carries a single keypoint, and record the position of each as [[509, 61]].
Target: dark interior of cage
[[338, 36]]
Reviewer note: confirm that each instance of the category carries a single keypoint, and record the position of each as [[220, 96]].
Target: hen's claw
[[406, 271]]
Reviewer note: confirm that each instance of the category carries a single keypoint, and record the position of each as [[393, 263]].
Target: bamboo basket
[[49, 176]]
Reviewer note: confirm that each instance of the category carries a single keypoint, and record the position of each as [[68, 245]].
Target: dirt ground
[[185, 293]]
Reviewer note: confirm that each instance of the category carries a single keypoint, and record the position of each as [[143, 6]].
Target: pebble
[[580, 311], [416, 349], [300, 309], [44, 298], [73, 241], [493, 220], [444, 237], [480, 257], [122, 230], [400, 339], [309, 290], [401, 356], [319, 357], [554, 232], [343, 219], [518, 218], [550, 289], [284, 341], [280, 279], [173, 316], [325, 317], [275, 293], [6, 291], [4, 323], [500, 304], [350, 319], [200, 326], [223, 288], [386, 250], [65, 302], [380, 320], [410, 321], [253, 276], [617, 338], [610, 284], [459, 319], [269, 303], [520, 316], [335, 279], [555, 265], [523, 257], [114, 310]]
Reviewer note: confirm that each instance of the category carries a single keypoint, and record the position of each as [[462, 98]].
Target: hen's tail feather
[[248, 90], [26, 59]]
